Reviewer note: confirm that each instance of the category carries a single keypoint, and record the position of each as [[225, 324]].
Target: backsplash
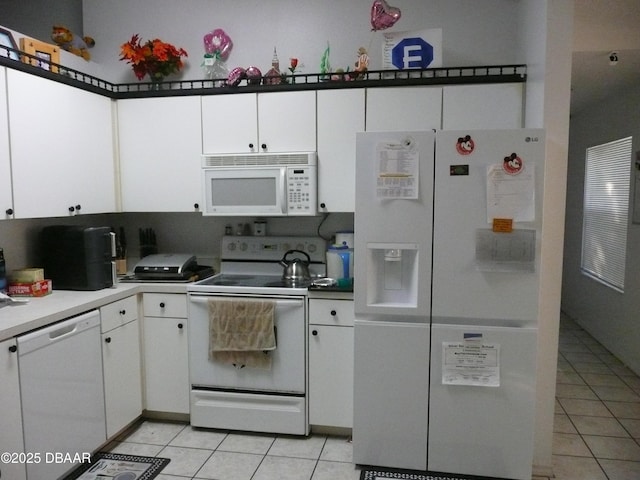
[[175, 232]]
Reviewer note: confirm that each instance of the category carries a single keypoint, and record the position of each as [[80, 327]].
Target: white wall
[[611, 317], [472, 34], [547, 49]]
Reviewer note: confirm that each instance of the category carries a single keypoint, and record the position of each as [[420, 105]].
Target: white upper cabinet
[[62, 154], [264, 122], [160, 154], [492, 106], [404, 109], [6, 200], [229, 123], [340, 117], [287, 121]]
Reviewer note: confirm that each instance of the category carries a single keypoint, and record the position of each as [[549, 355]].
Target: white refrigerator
[[447, 230]]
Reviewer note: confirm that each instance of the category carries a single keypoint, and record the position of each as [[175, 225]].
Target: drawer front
[[331, 312], [118, 313], [165, 305]]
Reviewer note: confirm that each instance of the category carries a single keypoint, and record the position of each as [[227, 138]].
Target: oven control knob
[[286, 247], [244, 246], [312, 248], [300, 247], [231, 246]]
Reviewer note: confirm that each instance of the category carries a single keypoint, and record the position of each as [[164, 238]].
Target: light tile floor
[[597, 417], [597, 432]]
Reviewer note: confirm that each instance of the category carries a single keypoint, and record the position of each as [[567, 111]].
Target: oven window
[[243, 191]]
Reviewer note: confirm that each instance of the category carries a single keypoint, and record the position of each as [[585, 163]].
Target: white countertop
[[61, 304], [17, 319]]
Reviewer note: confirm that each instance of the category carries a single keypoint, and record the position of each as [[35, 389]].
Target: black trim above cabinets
[[305, 81]]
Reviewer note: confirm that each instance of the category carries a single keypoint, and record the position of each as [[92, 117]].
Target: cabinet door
[[287, 121], [331, 376], [160, 141], [11, 418], [404, 109], [166, 364], [122, 376], [229, 123], [482, 106], [340, 116], [61, 148], [6, 201]]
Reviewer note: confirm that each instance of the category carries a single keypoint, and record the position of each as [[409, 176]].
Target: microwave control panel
[[301, 190]]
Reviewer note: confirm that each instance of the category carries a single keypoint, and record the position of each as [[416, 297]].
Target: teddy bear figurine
[[65, 38]]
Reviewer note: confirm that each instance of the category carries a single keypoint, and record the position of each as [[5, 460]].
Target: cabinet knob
[[161, 304], [72, 209], [196, 206], [78, 207], [107, 340], [251, 146], [314, 333], [13, 349], [180, 326], [123, 312], [9, 211], [323, 205], [263, 146], [333, 313]]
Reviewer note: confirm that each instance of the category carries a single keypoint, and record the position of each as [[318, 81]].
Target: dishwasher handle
[[57, 332]]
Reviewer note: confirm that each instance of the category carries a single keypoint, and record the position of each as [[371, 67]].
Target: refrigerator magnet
[[512, 164], [465, 145], [503, 225]]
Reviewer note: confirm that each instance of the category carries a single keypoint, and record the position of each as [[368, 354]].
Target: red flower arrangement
[[154, 58]]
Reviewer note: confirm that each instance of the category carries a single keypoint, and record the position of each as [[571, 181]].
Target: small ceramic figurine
[[362, 64], [272, 77]]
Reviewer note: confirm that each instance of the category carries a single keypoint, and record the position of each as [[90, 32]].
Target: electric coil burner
[[236, 396]]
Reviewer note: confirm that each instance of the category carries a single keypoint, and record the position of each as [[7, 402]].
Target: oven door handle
[[278, 302]]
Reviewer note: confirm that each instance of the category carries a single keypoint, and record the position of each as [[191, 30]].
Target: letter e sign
[[412, 52]]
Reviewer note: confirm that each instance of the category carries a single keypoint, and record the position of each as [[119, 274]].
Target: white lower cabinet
[[121, 364], [166, 360], [331, 362], [11, 439]]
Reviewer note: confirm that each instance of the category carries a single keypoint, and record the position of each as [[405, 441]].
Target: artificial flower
[[154, 58]]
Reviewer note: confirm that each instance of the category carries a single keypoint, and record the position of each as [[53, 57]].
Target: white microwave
[[260, 184]]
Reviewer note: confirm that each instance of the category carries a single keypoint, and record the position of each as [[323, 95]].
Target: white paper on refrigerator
[[465, 364], [397, 169], [511, 196]]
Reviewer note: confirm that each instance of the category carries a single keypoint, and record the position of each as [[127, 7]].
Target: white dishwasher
[[62, 393]]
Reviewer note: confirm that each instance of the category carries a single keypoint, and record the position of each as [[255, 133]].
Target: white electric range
[[269, 397]]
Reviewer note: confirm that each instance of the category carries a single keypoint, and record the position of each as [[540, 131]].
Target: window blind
[[605, 215]]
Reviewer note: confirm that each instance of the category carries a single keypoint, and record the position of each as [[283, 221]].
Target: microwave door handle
[[283, 191]]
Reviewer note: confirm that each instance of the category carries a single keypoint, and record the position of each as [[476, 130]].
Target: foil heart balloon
[[383, 16]]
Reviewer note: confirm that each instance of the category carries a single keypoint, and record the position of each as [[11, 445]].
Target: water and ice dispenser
[[392, 279]]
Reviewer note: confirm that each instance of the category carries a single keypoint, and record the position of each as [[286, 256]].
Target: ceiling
[[601, 27]]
